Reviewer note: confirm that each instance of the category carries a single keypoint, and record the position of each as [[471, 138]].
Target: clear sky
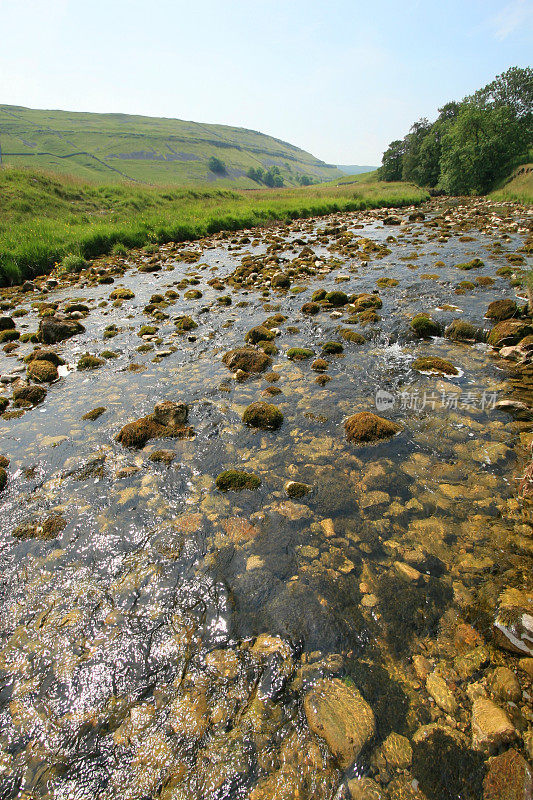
[[340, 78]]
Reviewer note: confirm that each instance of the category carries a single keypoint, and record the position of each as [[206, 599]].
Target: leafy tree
[[413, 142], [480, 148], [513, 88], [391, 163], [216, 165]]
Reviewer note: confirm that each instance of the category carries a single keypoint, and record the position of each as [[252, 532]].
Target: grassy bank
[[519, 188], [43, 217]]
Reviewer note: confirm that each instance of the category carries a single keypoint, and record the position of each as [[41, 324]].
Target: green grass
[[112, 148], [43, 218], [519, 188]]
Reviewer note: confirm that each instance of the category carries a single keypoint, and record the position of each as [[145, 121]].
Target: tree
[[480, 148], [513, 88], [391, 163], [216, 165], [413, 142]]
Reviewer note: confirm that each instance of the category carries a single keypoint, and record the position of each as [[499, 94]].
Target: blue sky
[[340, 79]]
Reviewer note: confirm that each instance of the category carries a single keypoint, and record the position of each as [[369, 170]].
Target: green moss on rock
[[368, 427], [263, 415], [232, 480]]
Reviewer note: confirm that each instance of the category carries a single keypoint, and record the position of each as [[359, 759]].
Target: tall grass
[[43, 218]]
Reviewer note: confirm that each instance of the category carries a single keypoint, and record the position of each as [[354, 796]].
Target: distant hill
[[354, 170], [109, 148]]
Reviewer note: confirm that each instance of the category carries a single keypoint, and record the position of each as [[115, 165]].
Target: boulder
[[509, 332], [369, 427], [167, 421], [263, 415], [338, 714], [57, 328], [499, 310], [247, 359], [461, 331]]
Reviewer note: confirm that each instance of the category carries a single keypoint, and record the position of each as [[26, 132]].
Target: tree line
[[473, 144]]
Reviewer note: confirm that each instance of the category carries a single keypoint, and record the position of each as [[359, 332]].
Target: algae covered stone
[[299, 353], [57, 328], [509, 332], [425, 327], [461, 331], [369, 427], [434, 364], [263, 415], [499, 310], [42, 371], [247, 359], [233, 480], [167, 421], [337, 713]]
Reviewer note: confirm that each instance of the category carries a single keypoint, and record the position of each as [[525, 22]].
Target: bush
[[216, 165], [73, 263], [119, 249]]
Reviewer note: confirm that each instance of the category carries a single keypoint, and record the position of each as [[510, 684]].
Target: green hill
[[110, 148], [518, 187]]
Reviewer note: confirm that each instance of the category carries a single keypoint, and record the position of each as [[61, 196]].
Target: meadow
[[44, 218]]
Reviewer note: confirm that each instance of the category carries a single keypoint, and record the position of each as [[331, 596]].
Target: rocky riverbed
[[266, 520]]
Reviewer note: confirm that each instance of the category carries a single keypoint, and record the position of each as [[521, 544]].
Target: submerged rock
[[26, 395], [509, 778], [232, 480], [338, 714], [513, 624], [491, 727], [94, 413], [368, 427], [461, 331], [425, 327]]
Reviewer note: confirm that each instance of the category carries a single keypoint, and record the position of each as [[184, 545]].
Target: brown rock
[[368, 427], [509, 778], [491, 727]]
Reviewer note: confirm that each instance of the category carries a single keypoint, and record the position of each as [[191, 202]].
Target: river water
[[161, 645]]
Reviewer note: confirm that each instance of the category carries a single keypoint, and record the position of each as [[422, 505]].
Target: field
[[112, 148], [44, 217], [519, 188]]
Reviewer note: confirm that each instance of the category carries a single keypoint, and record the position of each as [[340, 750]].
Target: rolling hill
[[110, 148], [354, 169]]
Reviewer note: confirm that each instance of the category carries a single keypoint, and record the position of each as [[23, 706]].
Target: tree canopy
[[472, 144]]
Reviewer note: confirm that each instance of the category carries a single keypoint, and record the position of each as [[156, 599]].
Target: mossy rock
[[461, 331], [7, 324], [274, 321], [509, 332], [296, 489], [9, 335], [299, 353], [28, 395], [280, 281], [162, 457], [368, 427], [333, 348], [263, 415], [147, 330], [259, 334], [232, 480], [110, 354], [3, 479], [225, 300], [434, 364], [476, 263], [311, 309], [247, 359], [193, 294], [387, 283], [351, 336], [121, 293], [425, 327], [185, 323], [42, 371], [49, 529], [318, 295], [320, 365], [269, 348], [4, 402], [87, 361], [322, 379], [500, 310], [40, 354], [336, 298], [364, 301], [167, 421], [94, 413]]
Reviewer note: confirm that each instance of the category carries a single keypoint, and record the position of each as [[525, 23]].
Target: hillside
[[109, 148], [354, 169], [519, 187]]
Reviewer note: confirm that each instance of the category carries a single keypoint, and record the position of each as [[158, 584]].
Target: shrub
[[73, 263], [216, 165]]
